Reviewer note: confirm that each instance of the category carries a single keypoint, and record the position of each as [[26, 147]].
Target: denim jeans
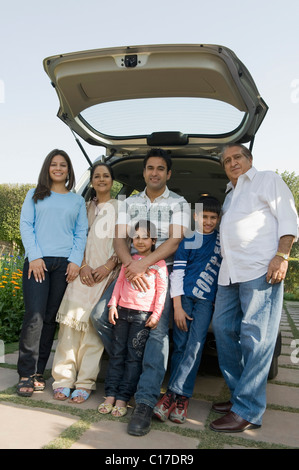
[[188, 345], [42, 300], [156, 351], [125, 365], [245, 323]]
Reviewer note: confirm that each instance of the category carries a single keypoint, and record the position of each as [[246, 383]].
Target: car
[[189, 99]]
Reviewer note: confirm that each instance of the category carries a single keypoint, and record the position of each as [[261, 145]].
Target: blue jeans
[[125, 365], [156, 351], [42, 300], [188, 345], [246, 322]]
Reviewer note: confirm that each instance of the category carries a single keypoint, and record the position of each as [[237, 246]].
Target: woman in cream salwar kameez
[[77, 358]]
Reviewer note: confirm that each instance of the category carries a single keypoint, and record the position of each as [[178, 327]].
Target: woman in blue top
[[53, 227]]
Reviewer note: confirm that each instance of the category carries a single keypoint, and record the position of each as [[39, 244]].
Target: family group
[[115, 274]]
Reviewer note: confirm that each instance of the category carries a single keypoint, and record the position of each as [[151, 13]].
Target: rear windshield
[[142, 117]]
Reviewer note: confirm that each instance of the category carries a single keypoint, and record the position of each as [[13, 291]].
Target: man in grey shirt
[[171, 215]]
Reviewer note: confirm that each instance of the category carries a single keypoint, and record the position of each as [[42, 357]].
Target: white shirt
[[256, 213]]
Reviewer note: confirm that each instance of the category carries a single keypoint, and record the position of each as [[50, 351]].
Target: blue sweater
[[196, 266], [55, 226]]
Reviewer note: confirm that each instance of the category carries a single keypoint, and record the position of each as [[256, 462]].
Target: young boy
[[193, 289]]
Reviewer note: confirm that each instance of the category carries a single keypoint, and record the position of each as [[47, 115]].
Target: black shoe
[[140, 422]]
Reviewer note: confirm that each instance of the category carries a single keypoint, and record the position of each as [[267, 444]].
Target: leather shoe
[[223, 407], [140, 422], [232, 422]]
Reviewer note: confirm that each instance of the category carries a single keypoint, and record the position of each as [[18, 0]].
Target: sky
[[262, 33]]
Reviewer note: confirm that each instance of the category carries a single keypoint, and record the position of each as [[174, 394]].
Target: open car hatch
[[129, 98]]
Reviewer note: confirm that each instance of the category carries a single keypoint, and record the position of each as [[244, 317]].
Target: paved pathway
[[41, 422]]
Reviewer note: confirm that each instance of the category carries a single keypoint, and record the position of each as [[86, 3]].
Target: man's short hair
[[158, 152], [208, 204]]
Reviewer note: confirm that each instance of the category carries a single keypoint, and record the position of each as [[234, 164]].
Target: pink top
[[125, 295]]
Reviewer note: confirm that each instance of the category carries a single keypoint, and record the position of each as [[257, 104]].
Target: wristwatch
[[283, 255]]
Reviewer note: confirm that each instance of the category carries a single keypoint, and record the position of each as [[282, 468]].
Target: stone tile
[[28, 428], [8, 378], [283, 395], [279, 427], [287, 334], [11, 359], [289, 360], [287, 375], [285, 348], [292, 306], [113, 435], [286, 341]]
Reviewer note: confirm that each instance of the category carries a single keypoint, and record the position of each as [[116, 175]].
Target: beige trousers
[[77, 358]]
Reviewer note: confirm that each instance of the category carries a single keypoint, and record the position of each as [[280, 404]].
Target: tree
[[292, 180]]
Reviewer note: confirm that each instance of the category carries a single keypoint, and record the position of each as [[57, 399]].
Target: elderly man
[[257, 231]]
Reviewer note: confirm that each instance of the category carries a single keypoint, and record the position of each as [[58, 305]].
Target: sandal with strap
[[119, 411], [26, 382], [79, 393], [64, 391], [39, 383], [105, 408]]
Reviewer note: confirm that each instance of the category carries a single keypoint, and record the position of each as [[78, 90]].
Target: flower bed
[[11, 297]]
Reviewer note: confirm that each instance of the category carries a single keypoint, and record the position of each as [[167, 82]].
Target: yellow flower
[[16, 287]]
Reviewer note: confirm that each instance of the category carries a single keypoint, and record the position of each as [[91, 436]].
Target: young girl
[[78, 353], [53, 227], [133, 313]]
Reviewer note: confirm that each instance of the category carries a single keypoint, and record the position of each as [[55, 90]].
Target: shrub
[[11, 297], [11, 200], [291, 283]]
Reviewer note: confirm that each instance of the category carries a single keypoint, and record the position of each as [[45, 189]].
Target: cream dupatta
[[79, 299]]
